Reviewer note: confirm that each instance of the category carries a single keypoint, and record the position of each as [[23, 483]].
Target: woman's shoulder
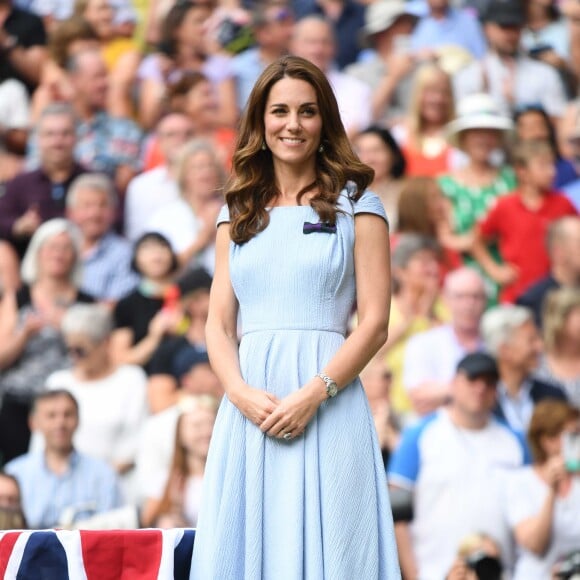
[[224, 215], [368, 202]]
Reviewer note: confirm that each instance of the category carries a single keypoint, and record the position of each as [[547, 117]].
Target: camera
[[486, 567]]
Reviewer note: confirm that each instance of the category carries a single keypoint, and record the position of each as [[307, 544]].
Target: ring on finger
[[287, 436]]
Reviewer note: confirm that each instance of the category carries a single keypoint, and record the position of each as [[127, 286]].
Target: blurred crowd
[[118, 123]]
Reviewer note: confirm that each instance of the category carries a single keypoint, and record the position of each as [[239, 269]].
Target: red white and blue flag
[[96, 555]]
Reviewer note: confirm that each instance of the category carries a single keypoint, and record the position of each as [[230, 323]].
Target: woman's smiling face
[[292, 123]]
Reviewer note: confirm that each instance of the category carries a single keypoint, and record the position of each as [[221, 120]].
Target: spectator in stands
[[346, 18], [182, 49], [31, 346], [177, 354], [11, 513], [193, 96], [533, 123], [156, 188], [388, 24], [35, 196], [422, 209], [145, 315], [508, 75], [376, 147], [59, 479], [547, 38], [561, 361], [67, 39], [453, 462], [522, 215], [415, 306], [92, 206], [272, 24], [23, 45], [511, 336], [542, 500], [14, 116], [189, 222], [421, 134], [377, 379], [179, 494], [478, 131], [112, 399], [563, 245], [431, 356], [105, 143], [445, 25], [158, 434], [314, 40]]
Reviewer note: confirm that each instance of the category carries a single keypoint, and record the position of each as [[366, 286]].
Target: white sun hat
[[477, 111]]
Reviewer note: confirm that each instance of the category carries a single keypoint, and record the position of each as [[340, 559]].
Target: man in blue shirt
[[59, 483], [444, 26]]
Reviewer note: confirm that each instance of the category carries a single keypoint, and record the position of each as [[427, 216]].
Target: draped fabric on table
[[96, 555]]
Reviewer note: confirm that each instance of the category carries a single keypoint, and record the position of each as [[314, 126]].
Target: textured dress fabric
[[315, 507]]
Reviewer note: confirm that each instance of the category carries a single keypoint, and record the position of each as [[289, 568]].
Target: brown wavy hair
[[253, 185]]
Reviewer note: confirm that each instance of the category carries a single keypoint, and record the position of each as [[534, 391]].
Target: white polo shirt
[[457, 478]]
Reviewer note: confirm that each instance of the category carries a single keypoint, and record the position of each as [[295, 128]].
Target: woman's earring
[[321, 149], [264, 146]]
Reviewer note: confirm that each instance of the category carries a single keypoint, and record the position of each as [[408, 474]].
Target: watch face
[[332, 389]]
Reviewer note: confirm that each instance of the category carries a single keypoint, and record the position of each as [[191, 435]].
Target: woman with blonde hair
[[180, 496], [189, 222], [421, 134], [561, 328]]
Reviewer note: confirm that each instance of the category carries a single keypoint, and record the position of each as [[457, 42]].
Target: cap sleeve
[[370, 202], [224, 215]]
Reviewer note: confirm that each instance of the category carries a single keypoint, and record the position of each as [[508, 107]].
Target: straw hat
[[478, 111]]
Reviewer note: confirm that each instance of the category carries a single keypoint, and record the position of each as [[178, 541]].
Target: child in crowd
[[519, 221]]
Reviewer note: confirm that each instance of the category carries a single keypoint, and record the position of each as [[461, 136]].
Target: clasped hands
[[285, 418]]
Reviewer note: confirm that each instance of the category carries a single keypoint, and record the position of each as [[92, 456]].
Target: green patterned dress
[[470, 204]]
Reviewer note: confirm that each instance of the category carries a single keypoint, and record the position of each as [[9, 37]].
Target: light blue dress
[[315, 507]]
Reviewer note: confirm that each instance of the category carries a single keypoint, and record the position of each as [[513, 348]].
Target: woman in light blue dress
[[294, 483]]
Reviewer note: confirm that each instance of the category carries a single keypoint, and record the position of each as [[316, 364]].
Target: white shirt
[[534, 82], [111, 411], [525, 495], [457, 476], [147, 194], [177, 222], [14, 105], [354, 100], [432, 356]]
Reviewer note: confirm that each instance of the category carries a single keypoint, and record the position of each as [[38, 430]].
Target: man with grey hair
[[511, 336], [563, 241], [34, 197], [431, 356], [106, 257]]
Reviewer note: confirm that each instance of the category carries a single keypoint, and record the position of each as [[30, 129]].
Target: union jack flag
[[96, 555]]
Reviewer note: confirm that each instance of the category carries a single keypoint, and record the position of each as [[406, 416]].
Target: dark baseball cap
[[505, 13], [478, 364]]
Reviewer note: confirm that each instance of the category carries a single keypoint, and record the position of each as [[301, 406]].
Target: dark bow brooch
[[319, 228]]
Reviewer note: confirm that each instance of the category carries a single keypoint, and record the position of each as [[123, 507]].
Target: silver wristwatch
[[331, 386]]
